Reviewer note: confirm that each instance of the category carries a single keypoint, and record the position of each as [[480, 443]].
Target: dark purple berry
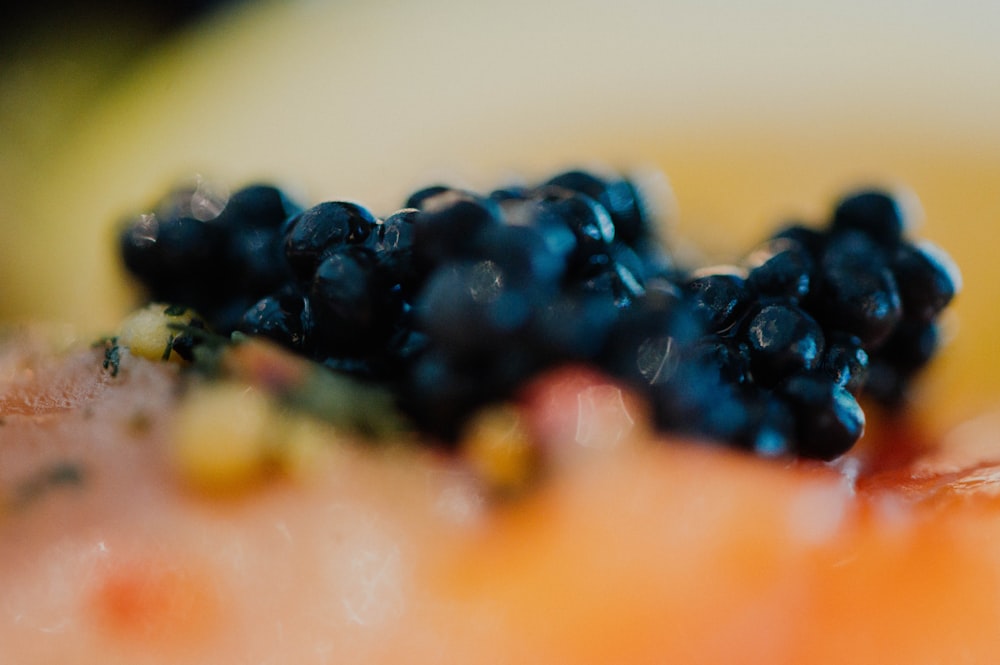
[[284, 318], [470, 308], [859, 291], [175, 258], [874, 212], [782, 340], [781, 268], [727, 360], [927, 278], [418, 198], [589, 222], [321, 227], [522, 253], [911, 346], [258, 207], [351, 314], [846, 361], [572, 327], [447, 227], [811, 239], [392, 241], [770, 430], [719, 297], [619, 197], [828, 418]]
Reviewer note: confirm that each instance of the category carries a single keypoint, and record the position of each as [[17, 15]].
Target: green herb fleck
[[348, 403], [60, 474], [168, 348], [112, 354], [175, 310]]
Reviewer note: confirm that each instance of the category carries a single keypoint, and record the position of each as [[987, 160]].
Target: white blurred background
[[754, 111]]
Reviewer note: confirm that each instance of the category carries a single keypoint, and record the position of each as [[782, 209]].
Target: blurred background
[[754, 113]]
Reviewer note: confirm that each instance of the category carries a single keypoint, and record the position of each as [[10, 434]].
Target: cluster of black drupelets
[[457, 299]]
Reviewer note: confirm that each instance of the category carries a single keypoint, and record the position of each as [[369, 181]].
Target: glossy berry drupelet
[[572, 327], [324, 226], [911, 346], [417, 199], [258, 206], [522, 253], [720, 296], [352, 314], [447, 227], [782, 339], [811, 239], [873, 212], [845, 361], [727, 360], [176, 258], [588, 221], [927, 278], [472, 309], [782, 268], [285, 318], [619, 197], [859, 295], [828, 419], [392, 242]]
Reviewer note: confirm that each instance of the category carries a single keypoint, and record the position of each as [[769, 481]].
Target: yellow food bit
[[150, 331], [229, 436], [500, 450], [221, 440], [299, 444]]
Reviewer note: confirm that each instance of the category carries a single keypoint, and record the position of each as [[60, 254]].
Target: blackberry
[[457, 299], [613, 281]]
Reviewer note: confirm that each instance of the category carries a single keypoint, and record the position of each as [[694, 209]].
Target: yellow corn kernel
[[220, 440], [148, 332], [299, 444], [498, 447]]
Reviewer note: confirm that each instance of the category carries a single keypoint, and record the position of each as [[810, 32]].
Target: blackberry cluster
[[458, 298]]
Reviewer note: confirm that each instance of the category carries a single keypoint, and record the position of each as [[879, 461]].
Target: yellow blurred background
[[756, 112]]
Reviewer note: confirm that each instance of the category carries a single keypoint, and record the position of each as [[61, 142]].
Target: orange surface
[[641, 551]]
